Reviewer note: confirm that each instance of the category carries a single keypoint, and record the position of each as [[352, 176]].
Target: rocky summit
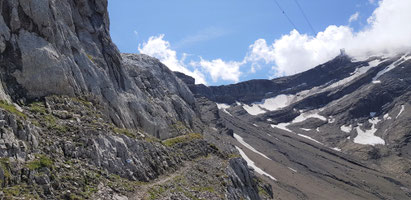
[[80, 120]]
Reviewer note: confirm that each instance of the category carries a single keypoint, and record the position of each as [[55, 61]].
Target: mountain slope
[[342, 126], [79, 120]]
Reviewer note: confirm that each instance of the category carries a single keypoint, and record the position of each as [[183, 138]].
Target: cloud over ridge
[[387, 32]]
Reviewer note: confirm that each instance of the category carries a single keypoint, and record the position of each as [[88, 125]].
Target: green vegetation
[[182, 139], [151, 139], [5, 166], [82, 101], [123, 131], [19, 192], [38, 108], [11, 108], [51, 123], [40, 162], [156, 192]]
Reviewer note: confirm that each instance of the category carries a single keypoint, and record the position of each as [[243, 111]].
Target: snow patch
[[358, 72], [254, 109], [302, 117], [392, 66], [367, 137], [241, 141], [224, 107], [276, 103], [346, 129], [292, 169], [255, 125], [402, 110], [251, 164], [310, 138], [282, 126], [305, 129], [336, 149], [387, 117]]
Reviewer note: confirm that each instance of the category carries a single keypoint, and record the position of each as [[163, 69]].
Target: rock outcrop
[[63, 47]]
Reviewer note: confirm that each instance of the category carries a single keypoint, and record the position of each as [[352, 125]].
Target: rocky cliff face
[[79, 120], [64, 48]]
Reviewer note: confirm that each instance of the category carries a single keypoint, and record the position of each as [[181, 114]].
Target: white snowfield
[[270, 104], [251, 164], [346, 129], [358, 72], [224, 107], [392, 66], [241, 141], [292, 169], [253, 109], [367, 137], [402, 110], [302, 117], [283, 100], [310, 138], [387, 117]]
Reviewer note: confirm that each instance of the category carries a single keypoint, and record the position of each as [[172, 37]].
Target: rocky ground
[[64, 148]]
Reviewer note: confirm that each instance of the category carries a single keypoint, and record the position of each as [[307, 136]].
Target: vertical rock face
[[63, 47]]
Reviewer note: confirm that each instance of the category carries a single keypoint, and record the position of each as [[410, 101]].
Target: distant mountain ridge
[[360, 108]]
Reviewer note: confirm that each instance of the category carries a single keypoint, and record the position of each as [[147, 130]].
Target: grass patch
[[51, 123], [11, 109], [123, 131], [156, 192], [40, 162], [38, 108], [151, 139], [182, 139], [5, 166], [19, 192]]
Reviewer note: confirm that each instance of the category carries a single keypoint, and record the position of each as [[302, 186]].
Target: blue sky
[[208, 34]]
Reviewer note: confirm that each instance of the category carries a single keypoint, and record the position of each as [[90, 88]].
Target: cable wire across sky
[[305, 16], [285, 14], [302, 12]]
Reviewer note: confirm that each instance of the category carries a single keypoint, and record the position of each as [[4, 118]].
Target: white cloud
[[388, 31], [354, 17], [160, 49], [219, 69], [371, 1]]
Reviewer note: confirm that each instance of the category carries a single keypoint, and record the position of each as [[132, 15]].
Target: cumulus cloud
[[354, 17], [387, 32], [219, 69], [157, 47]]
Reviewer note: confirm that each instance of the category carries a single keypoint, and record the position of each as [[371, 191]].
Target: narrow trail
[[141, 193]]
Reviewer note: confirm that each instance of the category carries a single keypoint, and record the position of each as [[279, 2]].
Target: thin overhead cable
[[285, 14], [305, 16]]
